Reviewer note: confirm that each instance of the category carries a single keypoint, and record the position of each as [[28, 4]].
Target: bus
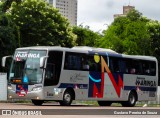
[[60, 74]]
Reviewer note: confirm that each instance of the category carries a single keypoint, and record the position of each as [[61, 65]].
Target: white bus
[[81, 73]]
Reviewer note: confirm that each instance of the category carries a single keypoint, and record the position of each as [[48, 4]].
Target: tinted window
[[53, 68], [80, 61], [74, 61], [114, 64], [132, 66]]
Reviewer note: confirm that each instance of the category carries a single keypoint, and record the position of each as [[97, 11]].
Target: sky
[[98, 14]]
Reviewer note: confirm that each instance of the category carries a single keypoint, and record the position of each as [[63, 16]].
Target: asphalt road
[[53, 110]]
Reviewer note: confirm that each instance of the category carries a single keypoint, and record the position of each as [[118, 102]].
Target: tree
[[8, 34], [128, 35], [41, 24], [154, 31], [85, 36], [7, 4]]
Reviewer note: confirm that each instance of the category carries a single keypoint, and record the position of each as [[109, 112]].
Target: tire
[[37, 102], [104, 103], [67, 99], [132, 99]]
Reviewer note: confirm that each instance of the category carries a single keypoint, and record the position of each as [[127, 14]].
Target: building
[[126, 10], [67, 8]]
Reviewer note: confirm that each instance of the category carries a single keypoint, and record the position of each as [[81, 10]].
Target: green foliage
[[7, 4], [7, 36], [134, 15], [154, 31], [32, 22], [41, 24], [128, 35], [85, 36]]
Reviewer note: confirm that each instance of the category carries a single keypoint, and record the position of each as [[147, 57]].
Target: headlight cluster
[[10, 87], [57, 91], [37, 89]]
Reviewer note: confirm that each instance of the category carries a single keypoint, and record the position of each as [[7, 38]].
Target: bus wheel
[[37, 102], [67, 98], [104, 103], [132, 99]]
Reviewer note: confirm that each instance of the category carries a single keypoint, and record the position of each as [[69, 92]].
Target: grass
[[16, 101]]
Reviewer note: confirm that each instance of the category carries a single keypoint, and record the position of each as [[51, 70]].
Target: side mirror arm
[[42, 61], [4, 60]]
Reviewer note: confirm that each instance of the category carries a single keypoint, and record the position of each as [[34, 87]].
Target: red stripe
[[96, 93], [117, 87]]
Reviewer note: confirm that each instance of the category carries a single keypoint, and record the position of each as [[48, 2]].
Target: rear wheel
[[67, 98], [37, 102], [104, 103], [132, 99]]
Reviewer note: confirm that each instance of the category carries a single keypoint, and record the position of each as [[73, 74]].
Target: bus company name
[[25, 55], [77, 77], [143, 82]]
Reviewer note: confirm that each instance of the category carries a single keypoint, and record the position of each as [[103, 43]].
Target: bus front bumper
[[26, 95]]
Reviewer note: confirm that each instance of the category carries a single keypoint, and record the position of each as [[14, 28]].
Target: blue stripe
[[80, 86], [99, 80], [141, 88]]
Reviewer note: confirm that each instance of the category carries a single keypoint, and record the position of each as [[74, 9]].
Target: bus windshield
[[25, 68]]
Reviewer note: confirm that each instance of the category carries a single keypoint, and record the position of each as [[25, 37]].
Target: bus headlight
[[10, 88], [37, 89], [57, 91]]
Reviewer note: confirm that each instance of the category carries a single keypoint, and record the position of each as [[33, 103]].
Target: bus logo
[[96, 80]]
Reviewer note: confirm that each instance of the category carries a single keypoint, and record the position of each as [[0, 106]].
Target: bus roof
[[91, 50], [40, 48]]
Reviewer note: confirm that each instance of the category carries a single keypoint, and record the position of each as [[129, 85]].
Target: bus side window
[[122, 66], [85, 64], [73, 61], [114, 64], [153, 71], [145, 67], [152, 66], [148, 68], [131, 66], [132, 71]]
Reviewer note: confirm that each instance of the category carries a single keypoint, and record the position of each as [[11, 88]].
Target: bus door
[[52, 72]]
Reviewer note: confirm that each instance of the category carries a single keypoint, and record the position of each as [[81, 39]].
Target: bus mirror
[[4, 60], [42, 61]]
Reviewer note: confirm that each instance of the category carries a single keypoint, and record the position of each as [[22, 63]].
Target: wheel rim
[[67, 97], [132, 99]]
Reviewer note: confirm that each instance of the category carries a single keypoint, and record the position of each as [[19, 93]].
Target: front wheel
[[67, 99], [37, 102], [132, 99]]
